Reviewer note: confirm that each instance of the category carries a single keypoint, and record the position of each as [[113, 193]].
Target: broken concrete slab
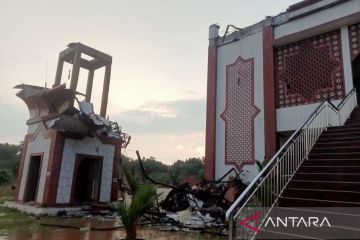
[[43, 211]]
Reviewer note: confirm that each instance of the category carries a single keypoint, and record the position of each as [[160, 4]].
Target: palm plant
[[143, 198]]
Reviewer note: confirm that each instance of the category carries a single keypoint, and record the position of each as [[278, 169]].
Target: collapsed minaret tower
[[71, 154]]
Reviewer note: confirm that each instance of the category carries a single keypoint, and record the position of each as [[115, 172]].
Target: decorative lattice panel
[[354, 40], [240, 112], [310, 71]]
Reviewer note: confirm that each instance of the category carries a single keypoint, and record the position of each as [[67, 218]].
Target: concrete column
[[346, 59], [89, 85], [105, 92], [269, 93], [116, 172], [75, 70], [59, 70], [211, 104], [213, 32]]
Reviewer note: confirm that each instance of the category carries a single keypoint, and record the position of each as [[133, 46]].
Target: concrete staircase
[[331, 175], [328, 180]]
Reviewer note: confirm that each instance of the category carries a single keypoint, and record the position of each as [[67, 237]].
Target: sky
[[159, 49]]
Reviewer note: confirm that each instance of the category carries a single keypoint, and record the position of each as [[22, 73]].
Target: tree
[[174, 174], [171, 174], [190, 167], [9, 158], [8, 151], [143, 198]]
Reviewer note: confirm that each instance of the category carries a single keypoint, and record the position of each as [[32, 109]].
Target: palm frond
[[132, 180], [143, 198]]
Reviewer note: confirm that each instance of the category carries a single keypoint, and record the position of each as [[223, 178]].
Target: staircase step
[[347, 124], [348, 128], [268, 234], [326, 185], [352, 120], [337, 177], [332, 162], [355, 143], [337, 139], [343, 155], [336, 149], [340, 134], [328, 195], [329, 169], [306, 202], [324, 232], [350, 212]]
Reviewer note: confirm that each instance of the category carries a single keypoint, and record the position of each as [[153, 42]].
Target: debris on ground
[[191, 208], [199, 207]]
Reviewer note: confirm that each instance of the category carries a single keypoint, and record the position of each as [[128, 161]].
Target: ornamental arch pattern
[[354, 40], [310, 71], [240, 112]]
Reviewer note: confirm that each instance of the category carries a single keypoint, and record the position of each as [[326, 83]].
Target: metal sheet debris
[[59, 111]]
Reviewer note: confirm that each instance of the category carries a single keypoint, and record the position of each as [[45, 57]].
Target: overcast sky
[[159, 50]]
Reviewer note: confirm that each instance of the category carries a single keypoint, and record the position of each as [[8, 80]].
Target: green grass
[[6, 194], [12, 220]]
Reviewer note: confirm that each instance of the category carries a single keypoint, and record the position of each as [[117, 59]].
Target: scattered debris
[[200, 207], [197, 208]]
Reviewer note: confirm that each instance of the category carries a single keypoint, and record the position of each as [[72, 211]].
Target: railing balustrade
[[263, 192]]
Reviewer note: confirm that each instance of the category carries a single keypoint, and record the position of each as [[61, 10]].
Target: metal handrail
[[345, 99], [272, 160], [273, 164]]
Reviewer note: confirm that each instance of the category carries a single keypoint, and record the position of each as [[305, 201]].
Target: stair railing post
[[355, 98], [327, 115], [231, 227], [306, 142], [277, 177]]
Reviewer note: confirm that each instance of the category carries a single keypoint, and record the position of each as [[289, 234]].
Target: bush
[[5, 176]]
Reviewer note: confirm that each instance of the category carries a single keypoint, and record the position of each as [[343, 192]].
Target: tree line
[[9, 162], [171, 174]]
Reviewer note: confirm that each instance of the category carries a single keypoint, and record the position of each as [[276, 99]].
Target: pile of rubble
[[200, 207], [197, 208]]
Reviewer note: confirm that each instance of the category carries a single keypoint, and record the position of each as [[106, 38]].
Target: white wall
[[32, 128], [291, 118], [248, 47], [90, 146], [38, 145], [318, 18]]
